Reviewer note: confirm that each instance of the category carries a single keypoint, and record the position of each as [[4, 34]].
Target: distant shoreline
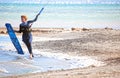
[[53, 30]]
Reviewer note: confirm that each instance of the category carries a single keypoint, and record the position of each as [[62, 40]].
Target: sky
[[62, 1]]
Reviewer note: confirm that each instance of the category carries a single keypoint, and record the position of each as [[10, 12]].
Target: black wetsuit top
[[26, 29]]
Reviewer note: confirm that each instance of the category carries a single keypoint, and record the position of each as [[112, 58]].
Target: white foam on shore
[[13, 64], [3, 70], [74, 61]]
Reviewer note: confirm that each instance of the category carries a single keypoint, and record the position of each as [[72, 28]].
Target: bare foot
[[31, 56]]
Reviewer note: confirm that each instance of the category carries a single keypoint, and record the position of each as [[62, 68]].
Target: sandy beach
[[100, 44], [70, 39]]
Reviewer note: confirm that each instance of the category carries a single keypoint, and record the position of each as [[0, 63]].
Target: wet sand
[[100, 44]]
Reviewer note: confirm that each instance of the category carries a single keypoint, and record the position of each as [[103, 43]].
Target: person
[[25, 28]]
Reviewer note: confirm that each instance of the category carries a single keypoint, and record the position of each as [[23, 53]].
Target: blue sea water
[[63, 15]]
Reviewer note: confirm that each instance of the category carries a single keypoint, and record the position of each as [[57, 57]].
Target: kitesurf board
[[13, 38]]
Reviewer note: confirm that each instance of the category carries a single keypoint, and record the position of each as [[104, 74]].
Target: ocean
[[62, 15]]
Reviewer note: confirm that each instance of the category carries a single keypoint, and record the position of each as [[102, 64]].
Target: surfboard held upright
[[13, 38]]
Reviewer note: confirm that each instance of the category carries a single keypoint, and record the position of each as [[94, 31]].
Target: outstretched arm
[[35, 19], [36, 16]]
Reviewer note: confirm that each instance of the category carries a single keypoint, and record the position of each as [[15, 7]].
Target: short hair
[[23, 16]]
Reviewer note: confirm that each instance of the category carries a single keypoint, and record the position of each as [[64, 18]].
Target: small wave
[[3, 70]]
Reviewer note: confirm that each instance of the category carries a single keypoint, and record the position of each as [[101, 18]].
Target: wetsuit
[[25, 28]]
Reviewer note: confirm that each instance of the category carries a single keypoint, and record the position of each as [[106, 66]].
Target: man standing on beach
[[25, 28]]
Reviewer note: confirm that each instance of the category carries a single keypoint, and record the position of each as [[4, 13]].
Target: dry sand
[[100, 44]]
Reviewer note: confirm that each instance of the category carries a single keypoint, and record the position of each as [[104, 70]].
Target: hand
[[16, 31]]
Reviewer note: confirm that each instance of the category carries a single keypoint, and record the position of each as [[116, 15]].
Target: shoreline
[[101, 44], [3, 30]]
